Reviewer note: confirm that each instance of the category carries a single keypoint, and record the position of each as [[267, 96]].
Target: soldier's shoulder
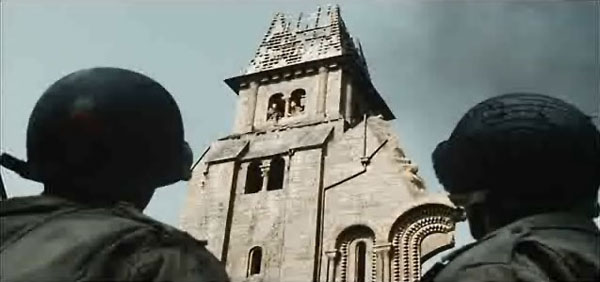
[[566, 247], [183, 258], [168, 238], [164, 232], [489, 259], [554, 232], [162, 252], [496, 248]]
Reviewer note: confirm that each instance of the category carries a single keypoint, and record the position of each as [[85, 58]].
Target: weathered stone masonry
[[313, 184]]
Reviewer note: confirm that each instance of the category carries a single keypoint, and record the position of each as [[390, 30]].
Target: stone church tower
[[313, 185]]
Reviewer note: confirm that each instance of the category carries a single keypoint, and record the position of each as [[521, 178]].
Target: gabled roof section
[[305, 38], [225, 150], [295, 139]]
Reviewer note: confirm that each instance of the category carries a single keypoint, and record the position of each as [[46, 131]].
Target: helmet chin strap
[[14, 164], [3, 195], [18, 166]]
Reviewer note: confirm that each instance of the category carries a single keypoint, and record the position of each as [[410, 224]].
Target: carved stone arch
[[408, 233], [348, 239]]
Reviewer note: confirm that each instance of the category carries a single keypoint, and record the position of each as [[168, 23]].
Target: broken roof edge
[[292, 39]]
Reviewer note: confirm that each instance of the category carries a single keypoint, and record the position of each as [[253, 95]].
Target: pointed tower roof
[[304, 40], [294, 40]]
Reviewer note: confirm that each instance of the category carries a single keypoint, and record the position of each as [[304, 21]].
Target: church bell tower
[[306, 70], [312, 185]]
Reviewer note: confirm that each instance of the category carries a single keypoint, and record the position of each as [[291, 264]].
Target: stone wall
[[348, 185], [207, 204], [358, 177], [281, 222]]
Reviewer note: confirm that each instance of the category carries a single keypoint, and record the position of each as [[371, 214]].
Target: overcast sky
[[430, 61]]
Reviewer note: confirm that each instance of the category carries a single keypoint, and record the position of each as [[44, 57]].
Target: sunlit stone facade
[[313, 185]]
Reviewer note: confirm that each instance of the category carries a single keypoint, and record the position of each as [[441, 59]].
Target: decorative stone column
[[264, 169], [286, 109], [251, 106], [348, 114], [331, 256], [382, 252], [322, 94]]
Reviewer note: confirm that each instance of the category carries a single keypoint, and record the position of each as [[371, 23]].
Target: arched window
[[416, 225], [254, 261], [254, 179], [276, 172], [355, 246], [360, 257], [276, 107], [296, 102]]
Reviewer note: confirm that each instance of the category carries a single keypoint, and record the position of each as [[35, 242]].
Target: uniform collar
[[521, 227], [40, 203], [555, 220], [46, 203], [455, 253]]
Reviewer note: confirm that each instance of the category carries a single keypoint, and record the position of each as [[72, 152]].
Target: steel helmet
[[522, 144], [109, 127]]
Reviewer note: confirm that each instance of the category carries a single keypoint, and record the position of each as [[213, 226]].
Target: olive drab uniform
[[545, 247], [46, 238]]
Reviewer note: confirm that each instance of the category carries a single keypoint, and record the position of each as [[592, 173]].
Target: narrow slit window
[[360, 255], [254, 261]]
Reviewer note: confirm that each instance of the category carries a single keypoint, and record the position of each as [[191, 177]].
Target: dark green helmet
[[522, 145], [107, 127]]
